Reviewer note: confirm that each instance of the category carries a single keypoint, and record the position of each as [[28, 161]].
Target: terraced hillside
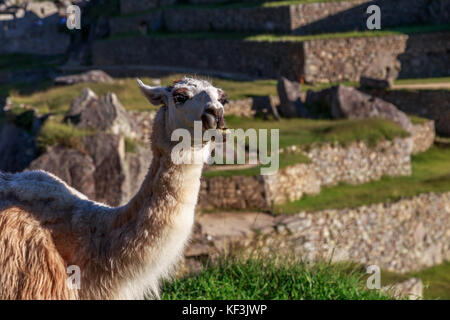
[[315, 41]]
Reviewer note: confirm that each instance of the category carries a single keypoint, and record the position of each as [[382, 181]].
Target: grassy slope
[[431, 173], [263, 279], [58, 99], [276, 37], [301, 131], [436, 280], [305, 131]]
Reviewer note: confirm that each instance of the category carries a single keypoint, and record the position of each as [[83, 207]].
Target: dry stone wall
[[403, 236], [330, 164], [423, 135], [254, 59], [319, 60], [305, 18]]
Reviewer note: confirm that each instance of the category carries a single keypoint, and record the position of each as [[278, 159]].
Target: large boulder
[[72, 166], [101, 169], [101, 114], [350, 103], [290, 102], [94, 76], [108, 152]]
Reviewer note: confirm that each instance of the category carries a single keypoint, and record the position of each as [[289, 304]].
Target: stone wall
[[320, 60], [423, 135], [346, 59], [322, 17], [33, 35], [132, 6], [426, 55], [357, 163], [307, 18], [251, 19], [403, 236], [330, 164], [255, 59]]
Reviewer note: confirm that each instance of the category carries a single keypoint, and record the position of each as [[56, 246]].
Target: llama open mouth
[[211, 121]]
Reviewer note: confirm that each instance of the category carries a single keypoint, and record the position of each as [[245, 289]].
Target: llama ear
[[156, 95]]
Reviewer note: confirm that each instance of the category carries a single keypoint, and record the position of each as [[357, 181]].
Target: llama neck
[[159, 219]]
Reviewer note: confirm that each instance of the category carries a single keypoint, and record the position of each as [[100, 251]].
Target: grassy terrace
[[436, 280], [47, 98], [286, 37], [430, 173], [247, 279], [302, 132]]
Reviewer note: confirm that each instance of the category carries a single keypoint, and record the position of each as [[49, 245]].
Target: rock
[[118, 175], [290, 102], [94, 76], [108, 152], [350, 103], [383, 66], [79, 104], [104, 114], [72, 166], [17, 148], [264, 105], [411, 289], [137, 164], [372, 83]]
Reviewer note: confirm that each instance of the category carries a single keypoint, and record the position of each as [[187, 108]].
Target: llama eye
[[180, 98]]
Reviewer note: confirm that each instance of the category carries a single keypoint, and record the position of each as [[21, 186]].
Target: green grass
[[56, 133], [436, 280], [302, 132], [57, 99], [430, 173], [299, 131], [285, 160], [274, 37], [257, 278], [422, 80]]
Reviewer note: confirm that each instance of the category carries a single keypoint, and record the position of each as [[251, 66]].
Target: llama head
[[189, 100]]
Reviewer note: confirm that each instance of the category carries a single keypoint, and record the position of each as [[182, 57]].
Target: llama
[[123, 252]]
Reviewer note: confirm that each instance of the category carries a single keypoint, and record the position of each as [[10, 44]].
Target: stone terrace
[[297, 18], [315, 60]]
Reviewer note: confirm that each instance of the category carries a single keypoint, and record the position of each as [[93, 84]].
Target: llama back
[[40, 187]]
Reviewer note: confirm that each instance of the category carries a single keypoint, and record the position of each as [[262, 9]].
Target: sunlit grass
[[257, 278], [430, 173]]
